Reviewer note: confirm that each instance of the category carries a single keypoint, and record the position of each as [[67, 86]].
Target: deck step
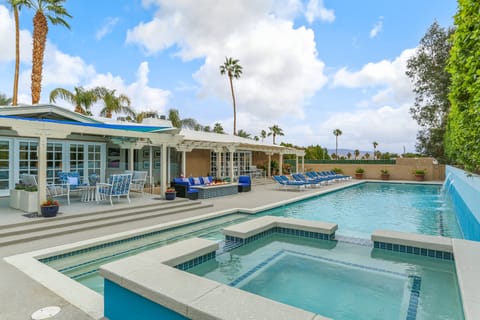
[[82, 222]]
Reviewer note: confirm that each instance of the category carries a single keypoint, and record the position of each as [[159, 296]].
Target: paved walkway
[[20, 296]]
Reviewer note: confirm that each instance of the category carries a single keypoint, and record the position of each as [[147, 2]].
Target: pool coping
[[92, 303]]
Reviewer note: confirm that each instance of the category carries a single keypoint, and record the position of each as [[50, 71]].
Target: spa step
[[28, 233]]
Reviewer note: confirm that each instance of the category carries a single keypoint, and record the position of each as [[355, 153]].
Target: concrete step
[[59, 226]]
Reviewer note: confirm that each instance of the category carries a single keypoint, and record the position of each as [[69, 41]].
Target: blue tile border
[[196, 261], [438, 254], [414, 290], [274, 230]]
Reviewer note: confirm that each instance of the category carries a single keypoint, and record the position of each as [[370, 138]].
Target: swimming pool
[[340, 280], [358, 211]]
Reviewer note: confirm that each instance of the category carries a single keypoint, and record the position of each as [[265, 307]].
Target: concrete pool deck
[[21, 295]]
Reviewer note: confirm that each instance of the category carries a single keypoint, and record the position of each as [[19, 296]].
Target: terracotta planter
[[49, 211], [419, 177], [358, 175], [170, 195], [385, 176]]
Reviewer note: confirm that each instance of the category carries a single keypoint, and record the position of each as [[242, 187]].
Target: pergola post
[[303, 163], [163, 169], [130, 158], [280, 163], [269, 165], [296, 164], [42, 170], [184, 163]]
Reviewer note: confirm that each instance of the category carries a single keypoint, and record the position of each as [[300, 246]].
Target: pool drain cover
[[45, 313]]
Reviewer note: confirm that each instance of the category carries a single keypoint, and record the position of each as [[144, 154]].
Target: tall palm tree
[[375, 144], [263, 134], [356, 152], [82, 99], [233, 70], [217, 128], [4, 101], [16, 6], [115, 104], [45, 10], [336, 133], [275, 130]]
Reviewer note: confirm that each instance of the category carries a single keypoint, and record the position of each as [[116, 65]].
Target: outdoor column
[[169, 178], [184, 163], [280, 163], [303, 163], [163, 169], [231, 174], [42, 171], [130, 159], [150, 166], [296, 164], [269, 165]]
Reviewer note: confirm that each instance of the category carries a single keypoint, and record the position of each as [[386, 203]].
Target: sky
[[308, 66]]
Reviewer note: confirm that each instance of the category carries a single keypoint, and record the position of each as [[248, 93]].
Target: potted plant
[[419, 174], [359, 173], [29, 199], [15, 195], [49, 208], [170, 194], [385, 174]]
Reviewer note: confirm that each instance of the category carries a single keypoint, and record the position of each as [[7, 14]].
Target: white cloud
[[376, 28], [142, 96], [388, 76], [281, 67], [391, 127], [316, 9], [7, 38], [107, 27]]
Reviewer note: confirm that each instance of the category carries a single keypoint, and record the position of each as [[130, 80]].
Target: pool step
[[59, 225]]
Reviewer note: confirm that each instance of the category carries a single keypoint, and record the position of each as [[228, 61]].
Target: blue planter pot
[[50, 211], [170, 195]]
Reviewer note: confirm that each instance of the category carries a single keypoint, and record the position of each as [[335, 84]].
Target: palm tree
[[275, 130], [82, 99], [256, 138], [356, 152], [217, 128], [4, 101], [349, 155], [177, 122], [16, 6], [115, 104], [375, 144], [145, 115], [242, 133], [336, 133], [233, 70], [263, 134], [367, 156], [54, 11]]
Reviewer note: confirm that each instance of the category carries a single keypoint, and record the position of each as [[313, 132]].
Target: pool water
[[340, 280], [364, 208], [358, 210]]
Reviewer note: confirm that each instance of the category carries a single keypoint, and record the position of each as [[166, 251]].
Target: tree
[[316, 153], [256, 138], [233, 70], [4, 101], [349, 155], [367, 155], [115, 104], [275, 130], [263, 134], [16, 6], [375, 144], [82, 99], [431, 81], [145, 115], [243, 134], [207, 129], [217, 128], [336, 133], [46, 10], [177, 122], [462, 140], [356, 152]]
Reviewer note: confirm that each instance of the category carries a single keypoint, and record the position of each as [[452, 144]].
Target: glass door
[[5, 172]]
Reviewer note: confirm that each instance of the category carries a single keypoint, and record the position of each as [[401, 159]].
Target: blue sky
[[309, 66]]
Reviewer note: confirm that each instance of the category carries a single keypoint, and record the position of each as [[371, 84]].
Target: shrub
[[359, 170]]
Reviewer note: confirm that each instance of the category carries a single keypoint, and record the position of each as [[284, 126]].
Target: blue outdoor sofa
[[183, 186]]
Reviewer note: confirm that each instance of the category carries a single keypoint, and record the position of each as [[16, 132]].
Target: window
[[28, 157], [54, 161]]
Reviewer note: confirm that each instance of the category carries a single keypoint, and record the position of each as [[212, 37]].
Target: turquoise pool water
[[367, 207], [340, 280], [358, 211]]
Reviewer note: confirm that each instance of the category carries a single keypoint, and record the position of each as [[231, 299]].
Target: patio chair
[[308, 181], [284, 182], [139, 178], [119, 185], [53, 190], [244, 184]]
